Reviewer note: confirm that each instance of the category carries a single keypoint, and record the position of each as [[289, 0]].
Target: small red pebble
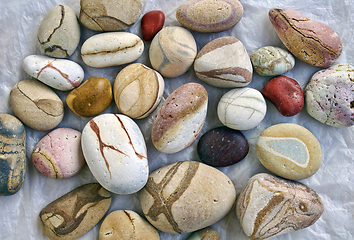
[[286, 94], [151, 23]]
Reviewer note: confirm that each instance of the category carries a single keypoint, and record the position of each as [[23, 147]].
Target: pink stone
[[151, 23]]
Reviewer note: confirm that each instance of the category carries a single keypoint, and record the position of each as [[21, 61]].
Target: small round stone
[[151, 23], [205, 234]]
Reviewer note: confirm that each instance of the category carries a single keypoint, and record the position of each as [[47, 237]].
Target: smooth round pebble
[[222, 146], [329, 96], [151, 23], [36, 105], [224, 62], [110, 15], [186, 196], [271, 61], [61, 74], [138, 90], [172, 51], [58, 154], [13, 162], [242, 108], [126, 225], [205, 234], [209, 15], [59, 32], [289, 151], [91, 98]]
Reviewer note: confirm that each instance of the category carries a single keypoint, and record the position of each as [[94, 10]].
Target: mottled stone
[[269, 206], [151, 23], [205, 234]]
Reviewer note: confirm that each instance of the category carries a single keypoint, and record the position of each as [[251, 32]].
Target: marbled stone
[[151, 23]]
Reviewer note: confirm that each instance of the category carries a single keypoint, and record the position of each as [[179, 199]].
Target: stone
[[180, 118], [151, 23], [224, 62], [172, 51], [311, 41], [269, 206], [186, 196], [13, 162], [205, 234], [241, 108], [36, 105], [115, 151], [111, 49], [271, 61], [58, 154], [286, 94], [110, 15], [126, 225], [61, 74], [329, 96], [138, 90], [75, 213], [289, 151], [222, 146], [91, 98], [209, 15], [59, 32]]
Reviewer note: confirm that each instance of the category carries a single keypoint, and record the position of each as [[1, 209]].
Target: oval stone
[[58, 154], [224, 62], [75, 213], [311, 41], [172, 51], [126, 225], [151, 23], [186, 196], [242, 108], [111, 49], [36, 105], [222, 146], [209, 15], [13, 161], [289, 151], [59, 32], [269, 206], [114, 149], [109, 15], [138, 90], [271, 61], [91, 98], [329, 96], [205, 234], [180, 118], [61, 74]]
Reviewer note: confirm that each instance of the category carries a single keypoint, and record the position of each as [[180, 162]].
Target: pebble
[[13, 162], [312, 42], [138, 90], [271, 61], [242, 108], [75, 213], [58, 154], [224, 62], [209, 15], [286, 94], [114, 149], [61, 74], [91, 98], [151, 23], [59, 32], [111, 49], [269, 206], [205, 234], [186, 196], [222, 146], [126, 225], [329, 96], [180, 118], [110, 15], [289, 151], [172, 51], [36, 105]]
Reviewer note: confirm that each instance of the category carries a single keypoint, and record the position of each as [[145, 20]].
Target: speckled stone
[[205, 234]]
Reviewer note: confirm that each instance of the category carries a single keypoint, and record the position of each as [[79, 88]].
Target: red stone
[[286, 94], [151, 23]]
